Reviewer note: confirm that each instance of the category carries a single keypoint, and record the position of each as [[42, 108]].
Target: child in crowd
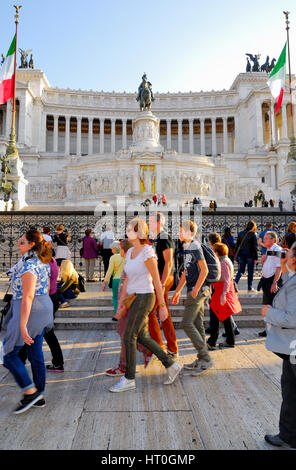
[[115, 268]]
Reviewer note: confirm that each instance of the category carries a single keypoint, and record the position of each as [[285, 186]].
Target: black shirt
[[60, 239], [163, 242]]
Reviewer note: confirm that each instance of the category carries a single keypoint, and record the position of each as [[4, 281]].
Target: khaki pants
[[89, 268], [193, 323]]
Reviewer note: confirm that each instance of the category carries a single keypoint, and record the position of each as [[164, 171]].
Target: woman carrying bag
[[62, 238], [224, 302], [30, 313]]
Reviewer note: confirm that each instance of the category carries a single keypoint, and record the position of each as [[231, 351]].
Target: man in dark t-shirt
[[164, 247]]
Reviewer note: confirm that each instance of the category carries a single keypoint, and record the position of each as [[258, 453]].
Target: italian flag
[[276, 81], [7, 75]]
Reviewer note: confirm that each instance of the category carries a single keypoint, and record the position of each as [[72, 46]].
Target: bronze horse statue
[[145, 94]]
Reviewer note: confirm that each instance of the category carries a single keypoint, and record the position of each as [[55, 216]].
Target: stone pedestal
[[288, 183], [146, 133], [17, 200]]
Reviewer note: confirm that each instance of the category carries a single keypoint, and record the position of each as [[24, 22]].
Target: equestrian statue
[[145, 94]]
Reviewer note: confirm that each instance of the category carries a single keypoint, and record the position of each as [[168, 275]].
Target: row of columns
[[90, 134], [272, 127], [124, 135]]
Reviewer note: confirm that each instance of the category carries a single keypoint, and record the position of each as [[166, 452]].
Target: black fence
[[14, 224]]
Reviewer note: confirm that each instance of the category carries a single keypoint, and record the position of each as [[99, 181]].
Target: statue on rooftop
[[24, 60]]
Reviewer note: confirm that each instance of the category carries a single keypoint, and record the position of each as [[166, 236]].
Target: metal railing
[[14, 224]]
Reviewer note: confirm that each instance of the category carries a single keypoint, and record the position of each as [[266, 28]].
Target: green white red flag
[[7, 75], [276, 81]]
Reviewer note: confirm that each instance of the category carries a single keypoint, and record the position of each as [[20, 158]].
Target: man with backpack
[[201, 267]]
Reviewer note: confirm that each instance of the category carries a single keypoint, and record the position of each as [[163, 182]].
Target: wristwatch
[[162, 304]]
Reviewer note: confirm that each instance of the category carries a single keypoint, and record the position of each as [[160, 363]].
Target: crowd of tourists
[[141, 271]]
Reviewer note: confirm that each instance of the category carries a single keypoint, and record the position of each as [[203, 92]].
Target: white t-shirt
[[47, 238], [107, 239], [139, 278], [271, 263]]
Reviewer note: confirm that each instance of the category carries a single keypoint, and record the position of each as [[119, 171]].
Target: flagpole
[[292, 153], [11, 150]]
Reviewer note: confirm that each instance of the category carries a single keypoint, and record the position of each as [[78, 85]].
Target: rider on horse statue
[[145, 94]]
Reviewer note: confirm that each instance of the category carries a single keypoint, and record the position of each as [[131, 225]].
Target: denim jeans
[[245, 260], [68, 294], [137, 330], [35, 355]]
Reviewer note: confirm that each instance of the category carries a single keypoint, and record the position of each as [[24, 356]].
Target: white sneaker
[[202, 367], [123, 385], [173, 372]]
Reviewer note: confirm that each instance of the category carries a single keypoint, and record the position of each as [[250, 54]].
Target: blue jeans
[[68, 294], [19, 371], [245, 260]]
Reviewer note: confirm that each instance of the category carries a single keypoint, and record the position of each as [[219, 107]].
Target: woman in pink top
[[224, 302]]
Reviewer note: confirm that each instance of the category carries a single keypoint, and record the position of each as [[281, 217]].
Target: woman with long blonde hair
[[69, 286]]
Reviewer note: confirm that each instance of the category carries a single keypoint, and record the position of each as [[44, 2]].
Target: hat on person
[[115, 244]]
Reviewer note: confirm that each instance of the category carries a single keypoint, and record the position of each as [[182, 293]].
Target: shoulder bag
[[238, 250]]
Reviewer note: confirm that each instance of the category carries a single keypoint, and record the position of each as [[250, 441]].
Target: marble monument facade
[[81, 147]]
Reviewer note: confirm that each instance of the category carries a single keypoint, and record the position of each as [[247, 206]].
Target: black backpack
[[81, 283], [213, 264]]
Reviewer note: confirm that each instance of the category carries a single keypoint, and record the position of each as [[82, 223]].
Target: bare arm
[[151, 265], [29, 286], [181, 284], [168, 259]]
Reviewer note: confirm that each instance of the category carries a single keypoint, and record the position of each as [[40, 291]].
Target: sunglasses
[[23, 242]]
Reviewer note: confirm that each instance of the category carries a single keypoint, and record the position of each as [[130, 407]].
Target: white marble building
[[80, 147]]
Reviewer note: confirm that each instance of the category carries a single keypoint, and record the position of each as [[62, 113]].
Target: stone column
[[102, 120], [67, 136], [55, 133], [8, 118], [259, 124], [202, 137], [113, 135], [136, 182], [180, 137], [43, 132], [294, 117], [124, 141], [236, 134], [284, 121], [78, 136], [90, 136], [272, 176], [191, 143], [214, 142], [169, 134], [225, 135], [272, 127], [158, 179]]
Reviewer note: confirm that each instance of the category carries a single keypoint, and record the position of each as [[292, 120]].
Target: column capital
[[79, 118], [201, 119]]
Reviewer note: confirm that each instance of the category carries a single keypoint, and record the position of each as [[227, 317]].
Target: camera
[[279, 254]]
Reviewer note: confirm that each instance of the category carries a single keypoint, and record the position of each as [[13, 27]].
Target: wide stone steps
[[96, 312]]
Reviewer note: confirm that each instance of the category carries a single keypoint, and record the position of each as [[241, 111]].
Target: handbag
[[7, 299], [127, 302]]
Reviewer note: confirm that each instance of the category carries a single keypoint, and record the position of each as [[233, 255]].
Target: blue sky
[[182, 45]]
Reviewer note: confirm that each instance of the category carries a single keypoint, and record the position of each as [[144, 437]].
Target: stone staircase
[[94, 311]]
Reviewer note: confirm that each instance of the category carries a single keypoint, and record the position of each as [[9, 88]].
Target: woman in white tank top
[[142, 279]]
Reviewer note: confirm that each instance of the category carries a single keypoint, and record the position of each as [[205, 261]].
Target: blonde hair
[[68, 271], [189, 225], [140, 228], [292, 227]]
